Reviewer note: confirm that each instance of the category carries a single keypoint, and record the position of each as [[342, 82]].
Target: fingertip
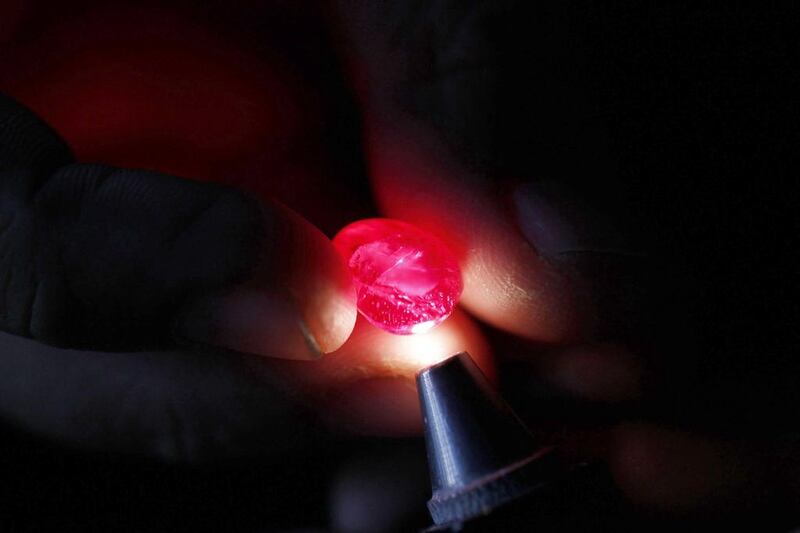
[[248, 320], [506, 283], [368, 385], [380, 396], [295, 302], [509, 286], [320, 282]]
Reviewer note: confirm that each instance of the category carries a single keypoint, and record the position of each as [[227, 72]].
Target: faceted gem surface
[[406, 279]]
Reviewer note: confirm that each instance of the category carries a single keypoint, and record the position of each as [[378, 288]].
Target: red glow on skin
[[147, 86], [367, 385], [506, 283], [161, 88], [407, 281]]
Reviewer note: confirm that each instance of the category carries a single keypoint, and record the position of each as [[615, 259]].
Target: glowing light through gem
[[407, 280]]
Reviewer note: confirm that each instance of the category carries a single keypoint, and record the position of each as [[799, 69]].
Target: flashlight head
[[480, 454]]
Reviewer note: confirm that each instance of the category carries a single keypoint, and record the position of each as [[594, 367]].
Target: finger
[[531, 258], [505, 282], [175, 405], [296, 301], [101, 257], [367, 386], [554, 284]]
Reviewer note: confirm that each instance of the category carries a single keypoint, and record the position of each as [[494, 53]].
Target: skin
[[297, 277], [145, 108]]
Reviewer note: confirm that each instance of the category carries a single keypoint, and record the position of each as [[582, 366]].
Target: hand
[[262, 129], [496, 126], [549, 286], [269, 249], [124, 283], [100, 258]]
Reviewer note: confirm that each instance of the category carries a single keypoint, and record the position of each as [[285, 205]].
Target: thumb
[[529, 267], [100, 257], [454, 111]]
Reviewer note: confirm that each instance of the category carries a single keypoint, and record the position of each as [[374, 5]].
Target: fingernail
[[556, 221], [250, 321]]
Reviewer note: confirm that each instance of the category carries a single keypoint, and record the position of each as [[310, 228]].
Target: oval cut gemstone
[[406, 279]]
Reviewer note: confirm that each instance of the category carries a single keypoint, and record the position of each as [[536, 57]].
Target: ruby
[[407, 280]]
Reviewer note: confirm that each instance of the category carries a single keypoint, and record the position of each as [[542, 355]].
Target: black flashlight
[[488, 471]]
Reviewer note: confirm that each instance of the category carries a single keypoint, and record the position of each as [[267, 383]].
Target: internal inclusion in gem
[[407, 280]]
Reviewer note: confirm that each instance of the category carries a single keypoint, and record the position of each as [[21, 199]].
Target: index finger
[[452, 113]]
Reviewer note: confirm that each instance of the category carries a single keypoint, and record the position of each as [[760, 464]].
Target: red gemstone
[[407, 280]]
